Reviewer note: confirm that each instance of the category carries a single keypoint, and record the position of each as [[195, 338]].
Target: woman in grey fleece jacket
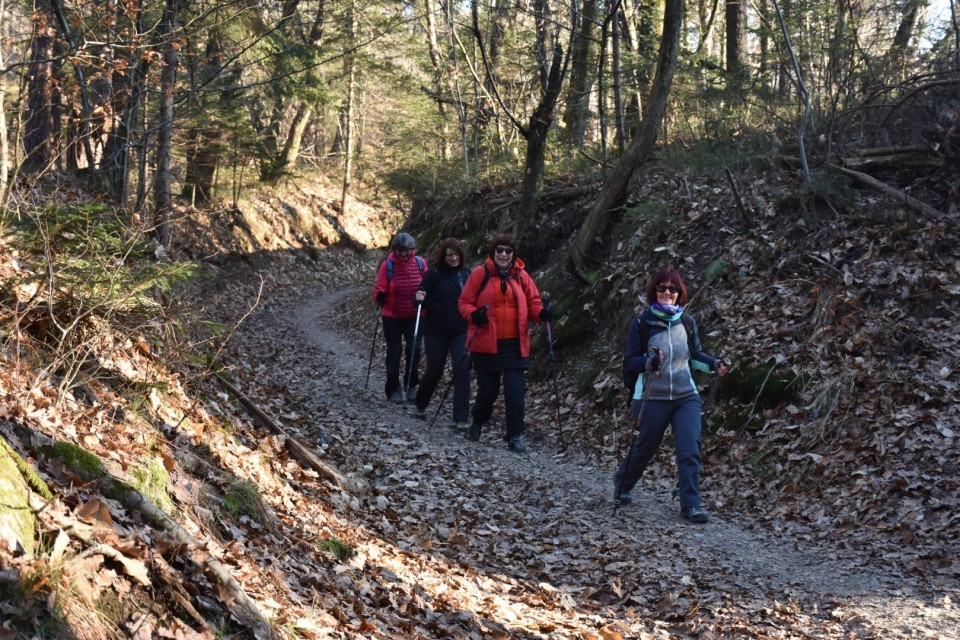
[[662, 346]]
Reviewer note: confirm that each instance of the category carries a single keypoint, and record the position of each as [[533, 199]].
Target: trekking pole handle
[[659, 354], [724, 362]]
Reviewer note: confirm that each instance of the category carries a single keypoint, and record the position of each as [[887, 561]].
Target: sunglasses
[[451, 252], [505, 250], [667, 288]]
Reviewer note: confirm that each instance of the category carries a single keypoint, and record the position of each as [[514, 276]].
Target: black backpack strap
[[486, 279]]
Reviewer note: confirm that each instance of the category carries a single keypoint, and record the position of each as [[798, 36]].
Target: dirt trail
[[506, 545]]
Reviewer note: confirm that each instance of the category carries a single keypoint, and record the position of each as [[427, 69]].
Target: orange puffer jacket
[[477, 293]]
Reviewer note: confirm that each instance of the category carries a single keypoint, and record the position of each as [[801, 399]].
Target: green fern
[[713, 271]]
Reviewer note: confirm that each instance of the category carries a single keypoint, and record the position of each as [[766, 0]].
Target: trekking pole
[[556, 388], [636, 436], [373, 347], [714, 385], [456, 372], [413, 354]]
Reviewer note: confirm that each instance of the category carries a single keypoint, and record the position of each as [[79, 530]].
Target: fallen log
[[890, 151], [909, 201], [895, 161], [297, 449]]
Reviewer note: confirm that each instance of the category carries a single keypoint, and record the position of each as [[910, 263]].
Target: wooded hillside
[[195, 198]]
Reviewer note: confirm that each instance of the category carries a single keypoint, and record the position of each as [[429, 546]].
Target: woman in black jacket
[[445, 331]]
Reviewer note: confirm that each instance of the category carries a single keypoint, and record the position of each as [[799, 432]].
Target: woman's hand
[[420, 295], [723, 366]]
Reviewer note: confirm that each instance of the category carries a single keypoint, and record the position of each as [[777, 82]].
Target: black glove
[[546, 315], [381, 297], [479, 317], [653, 361]]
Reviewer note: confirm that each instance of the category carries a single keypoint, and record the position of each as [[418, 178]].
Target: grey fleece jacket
[[680, 352]]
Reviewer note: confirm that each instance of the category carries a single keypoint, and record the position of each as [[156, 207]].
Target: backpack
[[421, 265], [630, 377]]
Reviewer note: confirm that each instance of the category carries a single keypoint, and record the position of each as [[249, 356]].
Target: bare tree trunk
[[615, 188], [602, 94], [127, 100], [540, 123], [4, 141], [163, 188], [543, 19], [291, 148], [581, 82], [84, 106], [804, 94], [203, 142], [498, 31], [641, 42], [617, 72], [736, 18], [705, 22], [348, 133], [764, 63], [43, 102], [905, 31], [436, 61]]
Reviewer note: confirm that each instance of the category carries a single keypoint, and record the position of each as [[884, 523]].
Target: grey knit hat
[[404, 241]]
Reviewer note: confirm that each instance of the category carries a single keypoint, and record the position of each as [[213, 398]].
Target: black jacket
[[443, 286]]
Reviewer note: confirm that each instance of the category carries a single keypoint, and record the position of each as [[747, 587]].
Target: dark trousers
[[398, 333], [514, 391], [684, 415], [436, 349]]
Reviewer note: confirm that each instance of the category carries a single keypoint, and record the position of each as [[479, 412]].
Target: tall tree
[[349, 135], [552, 68], [581, 78], [163, 194], [43, 99], [912, 10], [615, 187], [437, 65], [203, 144], [4, 141], [736, 22]]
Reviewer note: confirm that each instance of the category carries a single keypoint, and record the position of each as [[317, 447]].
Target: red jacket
[[401, 287], [529, 305]]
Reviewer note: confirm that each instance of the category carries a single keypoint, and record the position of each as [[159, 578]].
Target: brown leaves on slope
[[859, 309]]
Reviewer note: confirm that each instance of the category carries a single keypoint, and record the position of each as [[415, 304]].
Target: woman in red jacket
[[499, 301], [397, 281]]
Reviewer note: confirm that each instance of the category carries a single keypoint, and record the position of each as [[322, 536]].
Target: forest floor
[[834, 516], [468, 540]]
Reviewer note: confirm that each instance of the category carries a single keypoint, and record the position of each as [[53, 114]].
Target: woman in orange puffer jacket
[[499, 301]]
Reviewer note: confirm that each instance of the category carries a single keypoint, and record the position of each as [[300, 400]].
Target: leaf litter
[[836, 517]]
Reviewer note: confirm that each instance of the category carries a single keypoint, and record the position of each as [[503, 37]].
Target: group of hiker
[[476, 324], [481, 318]]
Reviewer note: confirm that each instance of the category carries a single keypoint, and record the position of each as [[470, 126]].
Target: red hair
[[667, 274]]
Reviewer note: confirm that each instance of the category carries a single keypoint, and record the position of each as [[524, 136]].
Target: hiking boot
[[516, 445], [619, 495], [473, 433], [397, 396], [695, 514], [460, 426], [419, 413]]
